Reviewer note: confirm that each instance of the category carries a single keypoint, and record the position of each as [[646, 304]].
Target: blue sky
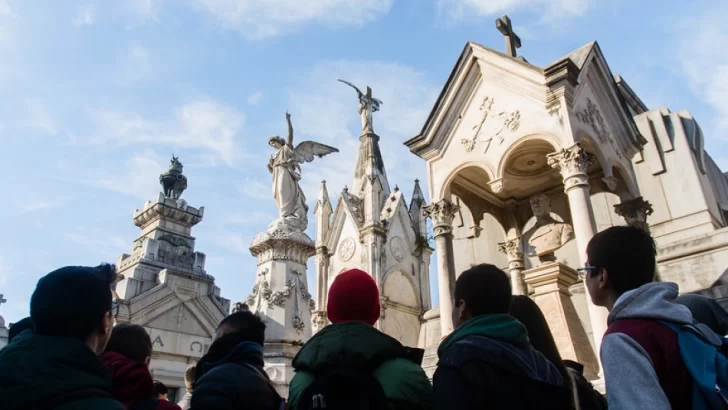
[[95, 97]]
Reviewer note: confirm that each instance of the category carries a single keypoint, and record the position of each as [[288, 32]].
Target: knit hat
[[353, 297]]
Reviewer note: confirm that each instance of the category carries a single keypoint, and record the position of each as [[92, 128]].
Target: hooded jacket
[[59, 373], [402, 380], [488, 363], [231, 376], [640, 356], [131, 381]]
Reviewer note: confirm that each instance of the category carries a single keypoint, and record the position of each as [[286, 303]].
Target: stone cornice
[[282, 245], [165, 208]]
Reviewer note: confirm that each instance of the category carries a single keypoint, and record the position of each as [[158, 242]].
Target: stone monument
[[280, 294], [547, 235]]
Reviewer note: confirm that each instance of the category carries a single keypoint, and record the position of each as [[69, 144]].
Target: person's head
[[75, 302], [540, 205], [619, 259], [527, 312], [353, 297], [706, 311], [190, 377], [19, 327], [481, 290], [131, 341], [244, 323], [276, 141], [160, 390]]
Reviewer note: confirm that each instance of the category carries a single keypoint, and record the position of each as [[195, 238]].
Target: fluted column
[[512, 249], [442, 214], [573, 163], [635, 212]]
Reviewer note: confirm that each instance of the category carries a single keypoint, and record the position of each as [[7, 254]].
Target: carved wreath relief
[[346, 249], [504, 121], [592, 117]]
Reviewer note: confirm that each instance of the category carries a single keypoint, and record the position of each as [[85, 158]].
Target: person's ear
[[462, 310], [147, 360], [603, 278]]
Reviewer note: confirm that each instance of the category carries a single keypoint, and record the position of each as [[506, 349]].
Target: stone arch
[[395, 280], [629, 188], [476, 167], [588, 143], [522, 142]]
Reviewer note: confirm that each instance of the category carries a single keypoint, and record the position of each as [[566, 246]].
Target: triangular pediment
[[179, 319], [343, 214]]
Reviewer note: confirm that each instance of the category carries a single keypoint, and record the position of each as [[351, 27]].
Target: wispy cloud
[[703, 62], [455, 10], [255, 98], [257, 19], [84, 17], [136, 64], [256, 188], [42, 205], [205, 124], [145, 9], [326, 111], [40, 117]]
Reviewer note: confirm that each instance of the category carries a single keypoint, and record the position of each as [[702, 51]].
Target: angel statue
[[367, 106], [286, 169]]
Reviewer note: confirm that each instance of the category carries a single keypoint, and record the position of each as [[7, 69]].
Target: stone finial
[[173, 182], [635, 212], [513, 42]]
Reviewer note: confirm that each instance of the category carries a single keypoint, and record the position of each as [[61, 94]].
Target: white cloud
[[84, 17], [257, 189], [257, 19], [204, 124], [136, 64], [40, 117], [234, 242], [40, 205], [465, 9], [144, 9], [704, 62], [255, 98], [325, 110]]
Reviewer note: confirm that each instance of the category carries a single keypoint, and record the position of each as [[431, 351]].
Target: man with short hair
[[160, 390], [487, 362], [57, 365], [127, 357], [641, 358], [231, 376]]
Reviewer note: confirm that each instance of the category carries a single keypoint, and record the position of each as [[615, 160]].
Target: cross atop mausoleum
[[2, 300], [513, 42]]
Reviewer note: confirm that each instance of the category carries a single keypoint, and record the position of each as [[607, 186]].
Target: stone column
[[442, 214], [512, 249], [573, 163], [635, 212]]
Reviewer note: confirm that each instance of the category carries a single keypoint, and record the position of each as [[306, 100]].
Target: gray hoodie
[[631, 381]]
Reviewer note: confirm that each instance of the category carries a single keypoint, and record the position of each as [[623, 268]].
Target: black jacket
[[231, 377], [585, 396], [482, 373]]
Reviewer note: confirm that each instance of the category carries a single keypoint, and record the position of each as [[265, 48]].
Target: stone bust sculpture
[[548, 235]]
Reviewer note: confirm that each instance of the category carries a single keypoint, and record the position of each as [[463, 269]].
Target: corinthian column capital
[[512, 249], [573, 163], [442, 214], [635, 212]]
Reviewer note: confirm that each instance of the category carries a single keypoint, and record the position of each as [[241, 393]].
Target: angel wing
[[308, 150], [350, 85]]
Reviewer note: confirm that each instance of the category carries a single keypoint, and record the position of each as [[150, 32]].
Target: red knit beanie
[[353, 297]]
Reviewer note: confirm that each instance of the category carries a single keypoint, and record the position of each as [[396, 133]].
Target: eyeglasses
[[587, 269], [114, 309]]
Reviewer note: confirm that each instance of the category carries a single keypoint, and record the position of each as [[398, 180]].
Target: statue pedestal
[[551, 282], [280, 296]]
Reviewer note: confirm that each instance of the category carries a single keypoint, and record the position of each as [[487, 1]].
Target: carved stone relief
[[346, 249], [593, 117], [503, 121], [397, 248]]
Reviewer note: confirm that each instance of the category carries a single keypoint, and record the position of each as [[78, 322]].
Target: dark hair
[[247, 323], [71, 301], [485, 290], [527, 312], [131, 341], [159, 388], [17, 328], [628, 255]]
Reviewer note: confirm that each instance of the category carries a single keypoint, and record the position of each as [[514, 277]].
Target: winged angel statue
[[367, 106], [286, 169]]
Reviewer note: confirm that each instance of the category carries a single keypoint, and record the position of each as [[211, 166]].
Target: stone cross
[[513, 42], [2, 300]]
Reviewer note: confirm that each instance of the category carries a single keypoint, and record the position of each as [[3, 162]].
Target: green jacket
[[38, 370], [401, 379]]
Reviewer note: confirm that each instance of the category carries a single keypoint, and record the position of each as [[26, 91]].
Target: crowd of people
[[69, 355]]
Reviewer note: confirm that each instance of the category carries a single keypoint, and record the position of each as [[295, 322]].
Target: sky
[[96, 96]]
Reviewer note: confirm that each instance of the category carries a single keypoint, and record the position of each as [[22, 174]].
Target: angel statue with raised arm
[[286, 169], [367, 106]]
